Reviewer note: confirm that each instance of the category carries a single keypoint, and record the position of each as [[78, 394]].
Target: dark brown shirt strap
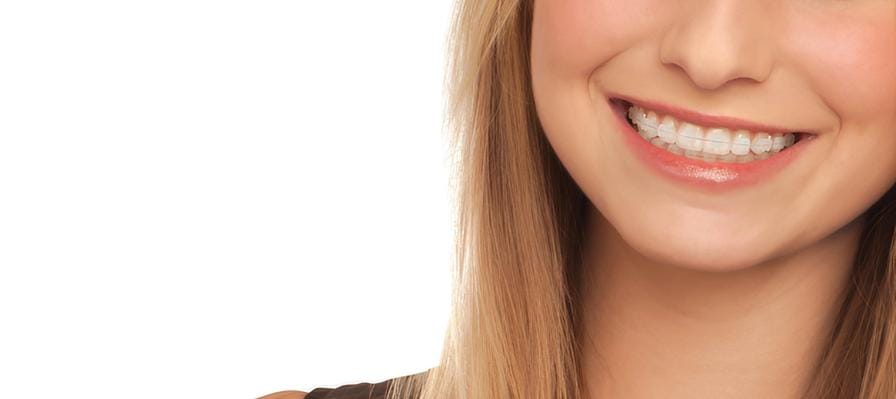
[[363, 390], [366, 390]]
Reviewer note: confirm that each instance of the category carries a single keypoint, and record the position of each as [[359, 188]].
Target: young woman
[[670, 199]]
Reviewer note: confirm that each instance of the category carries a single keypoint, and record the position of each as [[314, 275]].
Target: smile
[[706, 151], [709, 143]]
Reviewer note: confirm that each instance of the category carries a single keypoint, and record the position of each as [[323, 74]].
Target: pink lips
[[711, 176]]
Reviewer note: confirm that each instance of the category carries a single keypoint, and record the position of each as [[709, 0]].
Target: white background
[[220, 199]]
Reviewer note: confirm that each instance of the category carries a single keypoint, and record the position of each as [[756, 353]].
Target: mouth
[[705, 151], [709, 143]]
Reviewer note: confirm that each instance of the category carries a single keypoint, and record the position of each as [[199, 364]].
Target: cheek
[[852, 66], [852, 63], [573, 37]]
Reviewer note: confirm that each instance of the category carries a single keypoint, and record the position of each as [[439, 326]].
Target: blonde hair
[[513, 329]]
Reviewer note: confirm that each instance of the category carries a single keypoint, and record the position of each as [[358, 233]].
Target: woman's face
[[712, 177]]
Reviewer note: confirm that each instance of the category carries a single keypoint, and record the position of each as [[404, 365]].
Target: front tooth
[[666, 130], [777, 142], [762, 142], [741, 143], [718, 141], [690, 137]]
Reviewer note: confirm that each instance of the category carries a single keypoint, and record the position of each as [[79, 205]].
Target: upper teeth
[[715, 140]]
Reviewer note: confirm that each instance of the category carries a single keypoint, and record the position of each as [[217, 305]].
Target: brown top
[[363, 390]]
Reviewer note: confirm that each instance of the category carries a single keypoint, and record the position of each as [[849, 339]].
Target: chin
[[715, 259], [708, 251]]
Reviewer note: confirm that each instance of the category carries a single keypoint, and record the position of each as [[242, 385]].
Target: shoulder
[[285, 395]]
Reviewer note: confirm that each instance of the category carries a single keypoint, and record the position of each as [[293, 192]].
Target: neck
[[654, 330]]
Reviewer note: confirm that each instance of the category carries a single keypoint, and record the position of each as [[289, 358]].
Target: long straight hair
[[515, 321]]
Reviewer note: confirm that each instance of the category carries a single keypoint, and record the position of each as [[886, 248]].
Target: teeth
[[633, 113], [713, 144], [645, 121], [741, 143], [675, 149], [690, 137], [718, 141], [667, 130], [762, 142], [777, 142]]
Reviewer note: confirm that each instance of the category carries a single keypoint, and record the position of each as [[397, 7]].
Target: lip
[[704, 175]]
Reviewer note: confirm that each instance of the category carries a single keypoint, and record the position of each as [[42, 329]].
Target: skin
[[285, 395], [727, 294]]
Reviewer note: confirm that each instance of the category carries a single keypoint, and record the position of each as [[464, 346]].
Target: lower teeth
[[728, 158]]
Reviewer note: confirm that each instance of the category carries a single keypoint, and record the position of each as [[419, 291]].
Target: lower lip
[[711, 176]]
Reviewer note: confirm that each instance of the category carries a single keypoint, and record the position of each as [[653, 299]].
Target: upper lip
[[697, 118]]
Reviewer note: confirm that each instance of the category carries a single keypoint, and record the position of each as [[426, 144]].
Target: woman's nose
[[717, 41]]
